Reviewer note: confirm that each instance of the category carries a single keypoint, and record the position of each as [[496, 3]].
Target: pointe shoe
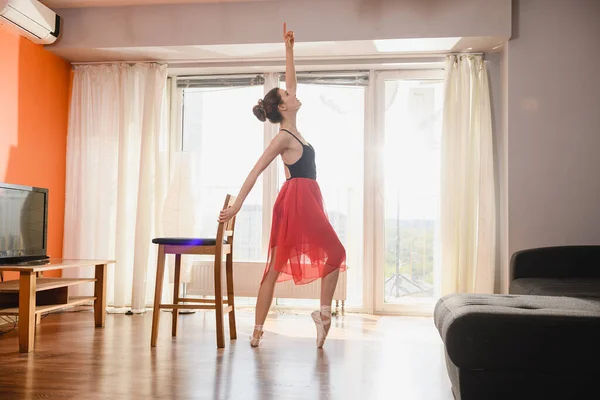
[[255, 342], [321, 331]]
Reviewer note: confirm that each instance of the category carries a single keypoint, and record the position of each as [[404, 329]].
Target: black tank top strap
[[295, 137]]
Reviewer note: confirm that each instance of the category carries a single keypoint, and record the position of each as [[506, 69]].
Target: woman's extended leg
[[265, 298], [336, 254]]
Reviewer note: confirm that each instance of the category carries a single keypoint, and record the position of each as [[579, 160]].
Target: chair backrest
[[226, 230]]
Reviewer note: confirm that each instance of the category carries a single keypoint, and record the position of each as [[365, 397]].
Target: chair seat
[[179, 241]]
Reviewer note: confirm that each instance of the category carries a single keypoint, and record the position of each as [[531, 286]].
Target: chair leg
[[219, 300], [160, 273], [231, 296], [176, 284]]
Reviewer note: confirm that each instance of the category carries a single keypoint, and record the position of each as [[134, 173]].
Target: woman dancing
[[303, 245]]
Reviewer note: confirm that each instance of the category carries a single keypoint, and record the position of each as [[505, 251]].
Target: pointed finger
[[284, 28]]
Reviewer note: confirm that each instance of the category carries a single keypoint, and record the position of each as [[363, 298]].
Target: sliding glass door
[[225, 140], [408, 133]]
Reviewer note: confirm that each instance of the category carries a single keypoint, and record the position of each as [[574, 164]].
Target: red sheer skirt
[[303, 244]]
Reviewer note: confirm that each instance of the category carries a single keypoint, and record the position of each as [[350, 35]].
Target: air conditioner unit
[[31, 19]]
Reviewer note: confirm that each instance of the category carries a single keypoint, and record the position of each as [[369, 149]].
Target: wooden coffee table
[[34, 295]]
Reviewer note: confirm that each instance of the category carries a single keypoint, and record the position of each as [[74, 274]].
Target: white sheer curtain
[[117, 172], [468, 216]]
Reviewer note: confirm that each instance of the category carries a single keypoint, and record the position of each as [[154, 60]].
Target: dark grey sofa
[[556, 271], [528, 346]]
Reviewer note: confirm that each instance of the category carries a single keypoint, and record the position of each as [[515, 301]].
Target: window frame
[[413, 307], [373, 226]]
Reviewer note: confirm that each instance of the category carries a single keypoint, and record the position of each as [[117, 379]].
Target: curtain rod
[[467, 53], [262, 61], [116, 62], [277, 61]]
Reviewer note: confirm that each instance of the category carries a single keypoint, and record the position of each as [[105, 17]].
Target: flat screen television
[[23, 224]]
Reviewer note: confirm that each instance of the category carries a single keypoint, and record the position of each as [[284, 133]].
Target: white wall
[[553, 124]]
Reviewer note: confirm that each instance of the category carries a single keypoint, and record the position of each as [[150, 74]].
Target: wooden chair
[[222, 245]]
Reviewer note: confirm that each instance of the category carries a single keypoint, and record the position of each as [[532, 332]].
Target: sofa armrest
[[507, 332], [556, 262]]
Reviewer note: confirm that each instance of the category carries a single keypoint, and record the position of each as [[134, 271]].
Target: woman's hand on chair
[[227, 214]]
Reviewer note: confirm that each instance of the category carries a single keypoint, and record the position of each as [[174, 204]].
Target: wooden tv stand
[[33, 295]]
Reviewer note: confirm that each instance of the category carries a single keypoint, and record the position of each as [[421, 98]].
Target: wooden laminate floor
[[365, 357]]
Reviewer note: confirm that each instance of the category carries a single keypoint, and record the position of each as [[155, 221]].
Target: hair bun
[[259, 111]]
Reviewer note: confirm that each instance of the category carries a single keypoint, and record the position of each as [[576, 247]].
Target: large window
[[386, 130], [217, 121]]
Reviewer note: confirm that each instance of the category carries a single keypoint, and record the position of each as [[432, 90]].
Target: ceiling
[[265, 51], [368, 49], [306, 52], [120, 3]]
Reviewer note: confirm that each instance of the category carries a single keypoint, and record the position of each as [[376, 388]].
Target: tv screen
[[23, 223]]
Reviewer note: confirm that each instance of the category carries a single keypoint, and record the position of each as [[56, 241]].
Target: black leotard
[[305, 167]]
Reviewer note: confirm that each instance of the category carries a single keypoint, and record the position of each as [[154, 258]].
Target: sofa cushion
[[520, 332], [571, 287]]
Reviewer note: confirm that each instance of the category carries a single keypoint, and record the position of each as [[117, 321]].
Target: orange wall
[[9, 96], [33, 144]]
